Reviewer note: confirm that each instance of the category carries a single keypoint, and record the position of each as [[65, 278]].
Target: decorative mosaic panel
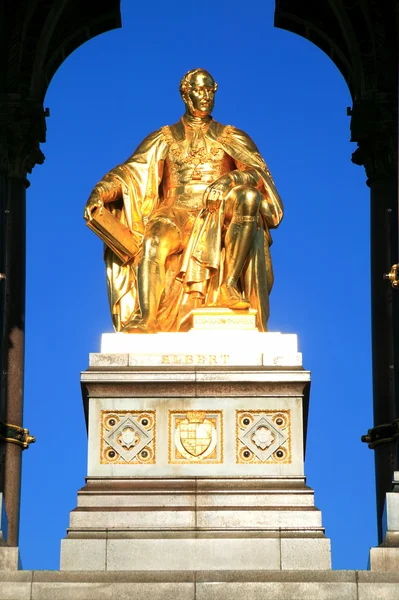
[[263, 436], [195, 436], [127, 437]]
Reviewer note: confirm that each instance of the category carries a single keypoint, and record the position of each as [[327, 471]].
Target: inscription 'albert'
[[195, 359]]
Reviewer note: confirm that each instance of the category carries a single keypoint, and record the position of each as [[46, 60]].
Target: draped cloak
[[199, 268]]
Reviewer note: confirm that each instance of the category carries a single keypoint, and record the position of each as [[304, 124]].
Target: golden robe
[[199, 268]]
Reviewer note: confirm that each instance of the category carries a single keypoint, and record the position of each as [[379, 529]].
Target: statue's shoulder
[[153, 137], [173, 133], [151, 143], [230, 134]]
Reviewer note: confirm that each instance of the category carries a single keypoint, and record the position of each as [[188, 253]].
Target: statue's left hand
[[93, 202]]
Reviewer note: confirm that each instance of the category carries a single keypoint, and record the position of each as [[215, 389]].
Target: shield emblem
[[195, 437]]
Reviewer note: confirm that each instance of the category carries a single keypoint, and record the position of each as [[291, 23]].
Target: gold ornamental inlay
[[127, 437], [263, 436], [195, 437]]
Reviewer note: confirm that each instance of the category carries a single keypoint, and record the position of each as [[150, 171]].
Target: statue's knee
[[249, 200], [153, 242], [157, 241]]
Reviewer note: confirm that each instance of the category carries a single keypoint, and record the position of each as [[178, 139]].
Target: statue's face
[[200, 99]]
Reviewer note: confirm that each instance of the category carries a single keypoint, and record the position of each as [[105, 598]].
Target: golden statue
[[199, 200]]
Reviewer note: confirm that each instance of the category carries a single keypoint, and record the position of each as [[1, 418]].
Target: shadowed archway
[[360, 37], [36, 37]]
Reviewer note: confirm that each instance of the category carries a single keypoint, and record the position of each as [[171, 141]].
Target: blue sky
[[289, 96]]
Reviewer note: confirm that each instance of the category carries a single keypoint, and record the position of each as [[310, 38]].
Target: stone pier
[[196, 457]]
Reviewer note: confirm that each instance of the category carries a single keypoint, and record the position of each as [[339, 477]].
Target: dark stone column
[[13, 230], [385, 339], [21, 129], [374, 123]]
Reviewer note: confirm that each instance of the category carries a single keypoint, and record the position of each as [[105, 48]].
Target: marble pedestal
[[196, 457], [386, 556], [9, 555]]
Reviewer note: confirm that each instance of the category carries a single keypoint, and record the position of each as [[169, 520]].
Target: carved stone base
[[195, 524], [386, 556], [9, 555], [195, 468]]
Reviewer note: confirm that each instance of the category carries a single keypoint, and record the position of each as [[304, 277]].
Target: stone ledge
[[278, 375], [186, 554], [194, 360], [199, 585]]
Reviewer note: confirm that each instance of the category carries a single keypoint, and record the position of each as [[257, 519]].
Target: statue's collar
[[196, 122], [178, 130]]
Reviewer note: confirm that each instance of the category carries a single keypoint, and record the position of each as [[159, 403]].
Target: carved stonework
[[263, 436], [374, 128], [22, 128], [361, 38], [195, 437], [127, 437], [220, 318]]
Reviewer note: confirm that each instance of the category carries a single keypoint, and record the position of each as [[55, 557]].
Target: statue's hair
[[185, 83]]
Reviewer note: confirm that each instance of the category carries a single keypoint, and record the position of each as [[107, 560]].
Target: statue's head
[[198, 89]]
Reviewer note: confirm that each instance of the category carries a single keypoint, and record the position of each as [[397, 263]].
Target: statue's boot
[[138, 325], [239, 238], [150, 276], [141, 327]]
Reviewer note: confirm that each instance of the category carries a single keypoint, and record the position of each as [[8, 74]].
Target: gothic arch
[[360, 37], [36, 36]]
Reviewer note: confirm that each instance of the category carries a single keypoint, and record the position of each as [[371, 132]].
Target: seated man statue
[[202, 201]]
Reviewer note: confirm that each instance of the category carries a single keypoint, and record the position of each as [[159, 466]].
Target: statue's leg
[[161, 239], [242, 211]]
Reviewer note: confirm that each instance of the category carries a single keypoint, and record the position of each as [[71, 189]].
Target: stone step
[[202, 554], [166, 499], [155, 517]]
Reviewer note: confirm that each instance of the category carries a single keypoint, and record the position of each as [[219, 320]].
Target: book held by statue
[[116, 235]]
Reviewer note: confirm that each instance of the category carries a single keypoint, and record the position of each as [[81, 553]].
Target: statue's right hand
[[93, 202]]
